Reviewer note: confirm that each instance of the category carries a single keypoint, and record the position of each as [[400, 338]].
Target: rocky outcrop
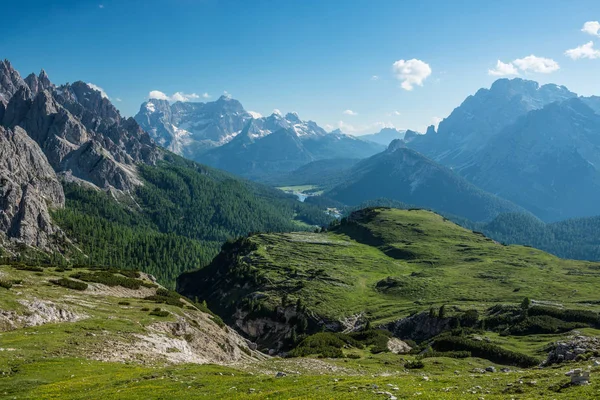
[[28, 188], [39, 83], [10, 81], [570, 349], [419, 327], [81, 133]]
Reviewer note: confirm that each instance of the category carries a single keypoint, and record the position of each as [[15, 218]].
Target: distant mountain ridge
[[537, 146], [402, 174], [384, 136], [484, 114], [224, 135]]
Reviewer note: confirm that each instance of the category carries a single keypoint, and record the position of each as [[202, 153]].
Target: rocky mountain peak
[[396, 144], [430, 130], [38, 83], [293, 117], [10, 81]]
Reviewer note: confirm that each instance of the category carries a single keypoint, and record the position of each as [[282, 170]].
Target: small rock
[[491, 369], [280, 374]]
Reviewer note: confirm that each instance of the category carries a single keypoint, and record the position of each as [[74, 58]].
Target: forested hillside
[[574, 238], [177, 220]]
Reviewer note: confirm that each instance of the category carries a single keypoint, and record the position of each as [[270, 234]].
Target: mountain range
[[402, 174], [78, 180], [387, 135], [224, 135], [537, 146]]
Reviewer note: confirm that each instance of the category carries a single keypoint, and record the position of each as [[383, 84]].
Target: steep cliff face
[[82, 134], [29, 187]]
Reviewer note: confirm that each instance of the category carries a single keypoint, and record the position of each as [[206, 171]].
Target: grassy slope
[[449, 265], [53, 361]]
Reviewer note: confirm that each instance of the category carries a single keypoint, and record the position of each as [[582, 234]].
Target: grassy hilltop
[[388, 263]]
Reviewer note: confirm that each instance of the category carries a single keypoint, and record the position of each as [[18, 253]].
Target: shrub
[[469, 318], [543, 324], [450, 354], [108, 278], [70, 284], [323, 344], [124, 303], [416, 364], [145, 309], [130, 273], [589, 317], [5, 284], [484, 350], [167, 297], [32, 268], [159, 313]]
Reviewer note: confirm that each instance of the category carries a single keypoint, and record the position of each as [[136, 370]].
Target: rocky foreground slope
[[110, 316]]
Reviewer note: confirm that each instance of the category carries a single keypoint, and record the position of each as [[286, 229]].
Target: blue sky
[[315, 57]]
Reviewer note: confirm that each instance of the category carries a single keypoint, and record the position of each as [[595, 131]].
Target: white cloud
[[375, 78], [436, 121], [394, 113], [584, 51], [206, 95], [100, 5], [158, 95], [412, 72], [118, 99], [503, 69], [537, 64], [592, 28], [350, 112], [99, 89], [177, 96], [180, 96], [255, 114], [361, 129]]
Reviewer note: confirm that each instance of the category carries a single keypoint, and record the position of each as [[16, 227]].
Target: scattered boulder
[[579, 377], [397, 346], [569, 350], [491, 369]]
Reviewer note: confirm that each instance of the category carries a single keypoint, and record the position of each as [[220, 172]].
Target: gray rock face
[[39, 83], [481, 116], [10, 81], [81, 132], [189, 128], [28, 188], [73, 131]]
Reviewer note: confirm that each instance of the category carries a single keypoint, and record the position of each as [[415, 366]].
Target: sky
[[357, 65]]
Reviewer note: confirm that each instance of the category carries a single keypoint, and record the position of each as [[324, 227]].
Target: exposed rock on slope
[[179, 335], [224, 135], [80, 131], [28, 187]]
